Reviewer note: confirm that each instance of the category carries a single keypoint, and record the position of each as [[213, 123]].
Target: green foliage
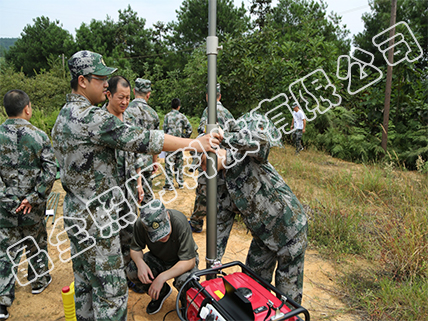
[[5, 44], [373, 217], [46, 90], [38, 43], [191, 29], [261, 8], [297, 38]]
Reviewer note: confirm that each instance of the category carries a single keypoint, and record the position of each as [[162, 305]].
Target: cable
[[268, 313], [179, 296], [167, 314], [187, 306]]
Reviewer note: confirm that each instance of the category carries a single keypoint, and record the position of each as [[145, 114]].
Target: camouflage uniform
[[27, 171], [297, 137], [128, 163], [146, 117], [176, 124], [85, 138], [270, 211], [225, 209]]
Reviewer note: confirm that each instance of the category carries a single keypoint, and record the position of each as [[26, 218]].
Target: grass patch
[[371, 213]]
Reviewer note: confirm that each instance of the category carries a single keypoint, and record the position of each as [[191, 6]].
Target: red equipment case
[[237, 296]]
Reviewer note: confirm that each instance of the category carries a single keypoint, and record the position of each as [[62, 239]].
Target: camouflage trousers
[[290, 259], [297, 135], [174, 163], [148, 195], [12, 235], [101, 291], [226, 211], [157, 266], [200, 207]]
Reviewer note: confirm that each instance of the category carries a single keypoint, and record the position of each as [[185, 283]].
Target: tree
[[127, 39], [98, 36], [191, 29], [134, 39], [261, 8], [413, 12], [5, 44], [303, 19], [408, 125], [38, 43]]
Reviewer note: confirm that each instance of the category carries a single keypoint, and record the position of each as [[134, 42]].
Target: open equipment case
[[236, 296]]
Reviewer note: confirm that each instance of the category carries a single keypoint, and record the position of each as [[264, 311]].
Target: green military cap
[[143, 85], [218, 88], [155, 219], [85, 62]]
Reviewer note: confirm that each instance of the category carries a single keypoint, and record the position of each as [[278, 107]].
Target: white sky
[[16, 14]]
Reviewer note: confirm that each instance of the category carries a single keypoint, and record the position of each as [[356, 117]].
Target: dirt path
[[318, 295]]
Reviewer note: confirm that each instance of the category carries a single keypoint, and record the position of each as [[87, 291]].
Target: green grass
[[371, 214]]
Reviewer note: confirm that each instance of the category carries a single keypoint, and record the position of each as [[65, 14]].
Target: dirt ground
[[319, 294]]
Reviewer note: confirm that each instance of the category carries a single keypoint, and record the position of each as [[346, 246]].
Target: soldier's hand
[[221, 160], [140, 192], [155, 168], [208, 143], [156, 287], [25, 205], [145, 274]]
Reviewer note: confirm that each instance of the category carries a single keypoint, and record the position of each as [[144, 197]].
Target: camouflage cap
[[85, 62], [143, 85], [155, 219]]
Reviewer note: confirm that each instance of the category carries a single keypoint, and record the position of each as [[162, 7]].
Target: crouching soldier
[[172, 253]]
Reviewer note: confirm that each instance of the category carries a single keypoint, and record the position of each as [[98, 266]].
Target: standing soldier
[[176, 124], [225, 211], [147, 118], [85, 139], [267, 205], [27, 173], [128, 163]]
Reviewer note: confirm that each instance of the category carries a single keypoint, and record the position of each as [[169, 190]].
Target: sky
[[16, 14]]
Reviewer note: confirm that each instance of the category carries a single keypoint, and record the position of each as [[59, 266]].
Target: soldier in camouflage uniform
[[225, 210], [176, 124], [268, 207], [172, 253], [27, 174], [85, 138], [128, 163], [146, 118]]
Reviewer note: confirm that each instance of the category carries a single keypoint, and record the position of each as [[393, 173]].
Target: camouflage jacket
[[146, 117], [131, 161], [223, 116], [268, 207], [27, 171], [85, 140], [176, 124]]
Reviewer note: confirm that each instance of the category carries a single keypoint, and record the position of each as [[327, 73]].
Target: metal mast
[[212, 51]]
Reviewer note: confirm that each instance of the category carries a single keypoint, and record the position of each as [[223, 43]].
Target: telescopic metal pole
[[212, 51]]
